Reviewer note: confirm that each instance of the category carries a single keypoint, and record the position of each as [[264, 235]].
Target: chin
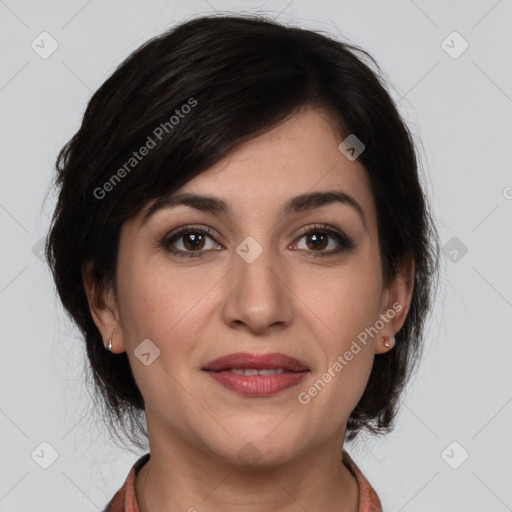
[[262, 447]]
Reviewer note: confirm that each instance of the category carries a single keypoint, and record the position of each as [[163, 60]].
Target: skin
[[197, 309]]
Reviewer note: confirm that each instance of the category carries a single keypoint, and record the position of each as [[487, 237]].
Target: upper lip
[[258, 361]]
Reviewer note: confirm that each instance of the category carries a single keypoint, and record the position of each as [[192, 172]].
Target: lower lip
[[257, 385]]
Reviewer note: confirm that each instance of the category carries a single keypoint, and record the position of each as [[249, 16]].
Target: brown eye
[[189, 242], [321, 237], [193, 241], [318, 241]]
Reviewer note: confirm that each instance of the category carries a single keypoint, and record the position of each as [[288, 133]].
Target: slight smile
[[257, 375]]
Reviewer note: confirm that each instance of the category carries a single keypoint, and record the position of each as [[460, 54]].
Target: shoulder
[[368, 498], [124, 499]]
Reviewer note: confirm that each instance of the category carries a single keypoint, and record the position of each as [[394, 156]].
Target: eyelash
[[343, 240]]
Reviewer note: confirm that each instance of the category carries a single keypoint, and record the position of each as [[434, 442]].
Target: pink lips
[[292, 371]]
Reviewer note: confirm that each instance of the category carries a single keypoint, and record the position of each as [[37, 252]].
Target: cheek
[[344, 302], [339, 383], [145, 298], [166, 309], [345, 306], [161, 304]]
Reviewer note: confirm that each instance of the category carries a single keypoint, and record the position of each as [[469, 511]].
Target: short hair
[[239, 76]]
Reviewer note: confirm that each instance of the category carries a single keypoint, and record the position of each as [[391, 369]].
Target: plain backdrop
[[450, 66]]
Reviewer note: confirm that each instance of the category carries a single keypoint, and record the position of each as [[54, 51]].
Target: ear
[[103, 307], [396, 301]]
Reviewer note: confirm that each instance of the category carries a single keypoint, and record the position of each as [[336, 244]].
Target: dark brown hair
[[240, 76]]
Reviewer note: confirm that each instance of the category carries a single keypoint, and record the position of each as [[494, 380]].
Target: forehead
[[298, 156], [301, 153]]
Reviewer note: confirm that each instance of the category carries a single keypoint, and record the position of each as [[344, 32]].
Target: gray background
[[461, 111]]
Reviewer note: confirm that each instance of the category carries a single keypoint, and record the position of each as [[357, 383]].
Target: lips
[[245, 361], [257, 376]]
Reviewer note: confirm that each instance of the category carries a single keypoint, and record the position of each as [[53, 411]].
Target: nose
[[258, 293]]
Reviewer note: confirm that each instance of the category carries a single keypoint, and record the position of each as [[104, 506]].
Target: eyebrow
[[218, 206]]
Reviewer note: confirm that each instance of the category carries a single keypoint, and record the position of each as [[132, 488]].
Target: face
[[305, 282]]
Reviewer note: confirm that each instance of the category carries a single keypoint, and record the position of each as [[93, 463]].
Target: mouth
[[257, 375]]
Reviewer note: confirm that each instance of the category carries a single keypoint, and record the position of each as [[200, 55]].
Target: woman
[[242, 238]]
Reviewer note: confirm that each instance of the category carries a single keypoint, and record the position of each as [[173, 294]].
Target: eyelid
[[211, 232]]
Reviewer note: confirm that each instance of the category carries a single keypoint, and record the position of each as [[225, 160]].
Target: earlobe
[[103, 308], [388, 342], [396, 304], [385, 344]]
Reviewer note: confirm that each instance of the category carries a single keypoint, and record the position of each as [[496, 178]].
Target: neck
[[179, 476]]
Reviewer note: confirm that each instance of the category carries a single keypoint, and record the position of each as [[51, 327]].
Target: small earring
[[390, 342], [109, 348]]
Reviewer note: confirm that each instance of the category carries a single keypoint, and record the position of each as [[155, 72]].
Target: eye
[[320, 237], [192, 240]]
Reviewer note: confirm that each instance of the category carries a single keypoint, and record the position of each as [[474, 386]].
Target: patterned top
[[125, 500]]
